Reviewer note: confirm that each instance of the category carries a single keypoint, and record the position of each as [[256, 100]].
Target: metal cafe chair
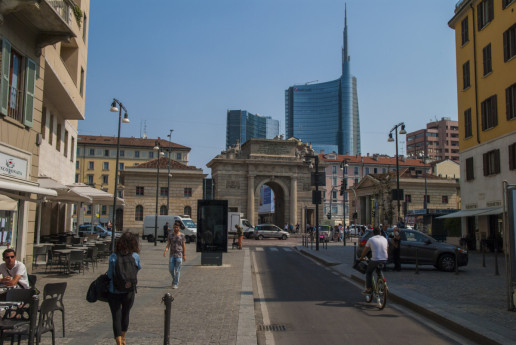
[[46, 320], [56, 290], [91, 257], [39, 251], [19, 320], [76, 260]]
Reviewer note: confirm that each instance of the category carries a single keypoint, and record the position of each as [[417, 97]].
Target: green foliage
[[78, 15]]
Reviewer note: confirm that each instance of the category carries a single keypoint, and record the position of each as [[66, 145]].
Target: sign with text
[[13, 166]]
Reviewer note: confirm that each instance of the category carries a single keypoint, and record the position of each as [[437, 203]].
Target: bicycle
[[379, 289]]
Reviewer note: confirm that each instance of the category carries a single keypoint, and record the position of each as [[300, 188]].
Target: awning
[[8, 204], [28, 187], [97, 196], [473, 212], [64, 193]]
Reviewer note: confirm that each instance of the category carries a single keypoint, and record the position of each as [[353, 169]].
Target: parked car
[[97, 229], [269, 230], [428, 251]]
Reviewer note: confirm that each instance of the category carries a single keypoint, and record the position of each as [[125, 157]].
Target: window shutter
[[497, 161], [6, 67], [495, 110], [486, 164], [512, 155], [479, 16], [490, 6], [30, 86]]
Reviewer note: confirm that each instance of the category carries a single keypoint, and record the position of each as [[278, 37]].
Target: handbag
[[99, 289], [360, 266]]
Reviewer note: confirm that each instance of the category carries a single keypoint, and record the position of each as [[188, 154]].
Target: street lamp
[[402, 131], [317, 198], [157, 148], [114, 109], [344, 167], [169, 174]]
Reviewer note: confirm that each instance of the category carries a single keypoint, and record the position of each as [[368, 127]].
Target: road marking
[[274, 249], [246, 329], [259, 249], [287, 249], [269, 339]]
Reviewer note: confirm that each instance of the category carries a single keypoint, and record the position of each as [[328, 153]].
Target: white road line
[[287, 249], [259, 249], [246, 329], [273, 249], [269, 339]]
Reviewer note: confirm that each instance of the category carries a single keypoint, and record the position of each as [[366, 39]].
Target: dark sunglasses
[[9, 257]]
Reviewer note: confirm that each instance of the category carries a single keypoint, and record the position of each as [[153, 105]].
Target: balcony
[[51, 19]]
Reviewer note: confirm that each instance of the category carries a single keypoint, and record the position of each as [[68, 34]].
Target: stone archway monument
[[241, 171]]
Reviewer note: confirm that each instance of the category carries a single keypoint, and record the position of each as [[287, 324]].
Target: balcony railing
[[15, 103], [63, 8]]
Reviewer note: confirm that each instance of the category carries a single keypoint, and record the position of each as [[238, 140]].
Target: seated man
[[13, 272], [378, 245]]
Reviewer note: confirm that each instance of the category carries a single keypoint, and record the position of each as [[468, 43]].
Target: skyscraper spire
[[345, 56]]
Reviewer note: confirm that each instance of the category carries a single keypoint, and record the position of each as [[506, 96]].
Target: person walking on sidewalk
[[176, 244], [240, 235], [396, 241], [121, 299]]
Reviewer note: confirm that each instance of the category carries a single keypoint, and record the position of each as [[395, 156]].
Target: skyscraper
[[242, 125], [326, 114]]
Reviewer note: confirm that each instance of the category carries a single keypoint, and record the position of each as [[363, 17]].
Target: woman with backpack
[[123, 269]]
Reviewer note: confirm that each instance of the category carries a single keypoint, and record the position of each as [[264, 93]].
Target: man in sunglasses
[[14, 273]]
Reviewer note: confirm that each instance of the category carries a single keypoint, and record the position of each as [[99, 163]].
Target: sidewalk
[[213, 304], [472, 303]]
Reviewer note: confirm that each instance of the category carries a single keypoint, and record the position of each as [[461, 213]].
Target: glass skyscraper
[[326, 114], [242, 125]]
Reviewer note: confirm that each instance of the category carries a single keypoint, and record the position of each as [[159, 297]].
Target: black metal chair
[[52, 260], [46, 319], [32, 280], [76, 260], [92, 257], [20, 320], [40, 251], [56, 290]]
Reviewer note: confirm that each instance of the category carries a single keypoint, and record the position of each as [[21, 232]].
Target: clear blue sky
[[181, 64]]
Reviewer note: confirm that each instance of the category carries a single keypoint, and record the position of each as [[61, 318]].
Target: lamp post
[[157, 148], [169, 175], [344, 167], [114, 109], [317, 198], [402, 131]]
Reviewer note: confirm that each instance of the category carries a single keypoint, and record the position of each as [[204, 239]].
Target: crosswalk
[[272, 249]]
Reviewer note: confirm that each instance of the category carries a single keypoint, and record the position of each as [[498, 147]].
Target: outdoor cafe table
[[66, 253]]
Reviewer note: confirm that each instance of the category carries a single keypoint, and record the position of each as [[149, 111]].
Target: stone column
[[293, 201], [250, 199]]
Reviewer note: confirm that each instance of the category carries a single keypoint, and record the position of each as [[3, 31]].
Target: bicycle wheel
[[381, 294]]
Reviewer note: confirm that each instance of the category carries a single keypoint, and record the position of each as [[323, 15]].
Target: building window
[[491, 162], [81, 85], [105, 179], [44, 123], [92, 152], [509, 43], [90, 179], [122, 153], [51, 130], [120, 166], [384, 170], [445, 199], [188, 192], [136, 154], [59, 137], [188, 211], [163, 191], [468, 129], [510, 101], [106, 153], [84, 27], [356, 182], [76, 178], [465, 31], [470, 173], [465, 76], [506, 3], [334, 169], [486, 53], [512, 157], [334, 195], [88, 209], [334, 181], [151, 154], [163, 210], [178, 156], [77, 165], [485, 13], [103, 210], [91, 165], [489, 113], [138, 213], [105, 166], [367, 171], [140, 190], [65, 151], [408, 198], [355, 171], [17, 95]]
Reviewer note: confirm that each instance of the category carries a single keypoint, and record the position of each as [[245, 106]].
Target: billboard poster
[[212, 226]]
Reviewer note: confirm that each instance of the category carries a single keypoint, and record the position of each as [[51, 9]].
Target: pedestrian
[[240, 235], [176, 244], [166, 231], [285, 227], [396, 243], [297, 228], [14, 273], [341, 233], [121, 298]]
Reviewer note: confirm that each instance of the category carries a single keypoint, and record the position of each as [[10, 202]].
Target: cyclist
[[378, 246]]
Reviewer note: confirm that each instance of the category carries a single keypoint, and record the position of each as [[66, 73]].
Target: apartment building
[[42, 93], [438, 141], [485, 40]]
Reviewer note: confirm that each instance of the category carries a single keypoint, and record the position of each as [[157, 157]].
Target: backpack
[[125, 275]]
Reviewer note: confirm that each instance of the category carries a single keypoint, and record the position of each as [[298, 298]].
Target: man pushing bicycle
[[378, 246]]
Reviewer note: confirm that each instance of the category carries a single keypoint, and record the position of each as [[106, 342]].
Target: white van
[[188, 227]]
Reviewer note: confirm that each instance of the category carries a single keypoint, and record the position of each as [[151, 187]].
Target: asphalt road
[[301, 302]]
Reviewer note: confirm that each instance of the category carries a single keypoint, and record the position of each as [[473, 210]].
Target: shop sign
[[13, 166]]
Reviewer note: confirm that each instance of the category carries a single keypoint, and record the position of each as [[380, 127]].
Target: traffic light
[[373, 213], [355, 215], [329, 215], [343, 186]]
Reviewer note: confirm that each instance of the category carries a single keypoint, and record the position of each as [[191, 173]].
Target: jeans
[[120, 305], [371, 267], [175, 269]]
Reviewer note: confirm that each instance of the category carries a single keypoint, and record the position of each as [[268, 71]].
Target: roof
[[124, 141], [163, 164], [373, 160]]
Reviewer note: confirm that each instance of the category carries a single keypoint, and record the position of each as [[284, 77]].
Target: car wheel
[[447, 263], [260, 237], [150, 238], [284, 237]]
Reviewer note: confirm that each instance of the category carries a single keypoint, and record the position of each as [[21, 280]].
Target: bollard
[[417, 261], [483, 256], [167, 299], [456, 261]]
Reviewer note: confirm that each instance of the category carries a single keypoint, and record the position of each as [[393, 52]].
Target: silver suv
[[269, 230]]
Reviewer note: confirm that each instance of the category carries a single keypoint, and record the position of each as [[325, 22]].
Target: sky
[[182, 64]]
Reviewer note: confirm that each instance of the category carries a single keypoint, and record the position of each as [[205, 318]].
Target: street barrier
[[167, 299]]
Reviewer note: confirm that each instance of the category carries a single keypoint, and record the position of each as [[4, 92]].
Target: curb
[[453, 325]]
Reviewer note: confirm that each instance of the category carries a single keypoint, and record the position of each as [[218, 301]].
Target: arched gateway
[[241, 171]]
